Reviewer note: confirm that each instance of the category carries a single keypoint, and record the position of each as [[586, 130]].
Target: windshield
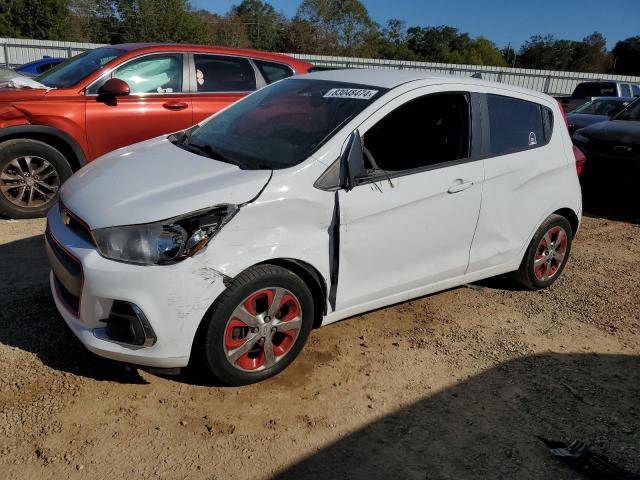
[[281, 125], [75, 69], [632, 112], [595, 89], [600, 106]]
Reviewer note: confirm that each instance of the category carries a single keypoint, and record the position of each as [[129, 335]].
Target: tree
[[341, 25], [591, 55], [392, 41], [160, 21], [510, 56], [546, 53], [626, 56], [438, 44], [262, 23], [37, 19], [224, 30], [301, 36], [483, 52], [93, 21]]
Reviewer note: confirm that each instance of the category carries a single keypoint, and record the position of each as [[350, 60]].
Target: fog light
[[127, 324]]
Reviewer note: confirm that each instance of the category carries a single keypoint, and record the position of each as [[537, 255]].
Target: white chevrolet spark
[[314, 199]]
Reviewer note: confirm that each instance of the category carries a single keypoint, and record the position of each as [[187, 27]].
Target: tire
[[31, 173], [541, 265], [228, 333]]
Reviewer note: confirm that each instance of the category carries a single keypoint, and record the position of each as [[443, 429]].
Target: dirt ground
[[451, 386]]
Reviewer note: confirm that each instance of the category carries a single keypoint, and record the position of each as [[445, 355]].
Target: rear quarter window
[[272, 71], [517, 125]]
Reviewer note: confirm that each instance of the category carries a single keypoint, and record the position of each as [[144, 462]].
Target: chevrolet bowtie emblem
[[66, 219]]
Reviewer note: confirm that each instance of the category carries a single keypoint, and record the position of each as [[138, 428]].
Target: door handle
[[175, 105], [459, 185]]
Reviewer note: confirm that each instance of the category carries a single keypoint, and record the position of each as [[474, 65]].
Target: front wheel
[[547, 254], [257, 326], [31, 173]]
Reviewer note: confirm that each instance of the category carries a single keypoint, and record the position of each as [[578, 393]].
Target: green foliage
[[264, 25], [626, 56], [548, 53], [341, 26], [445, 44], [329, 27], [38, 19]]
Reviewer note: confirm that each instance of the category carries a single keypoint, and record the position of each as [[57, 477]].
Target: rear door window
[[221, 73], [636, 90], [516, 125], [272, 71]]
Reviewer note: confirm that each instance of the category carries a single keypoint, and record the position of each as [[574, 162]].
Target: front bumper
[[173, 298]]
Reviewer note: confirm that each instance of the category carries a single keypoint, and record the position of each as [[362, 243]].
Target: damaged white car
[[314, 199]]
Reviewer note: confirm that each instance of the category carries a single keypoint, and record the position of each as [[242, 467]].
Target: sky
[[502, 21]]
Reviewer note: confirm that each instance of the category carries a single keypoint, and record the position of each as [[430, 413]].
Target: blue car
[[39, 66]]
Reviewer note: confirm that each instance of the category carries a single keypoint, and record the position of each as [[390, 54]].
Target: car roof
[[616, 99], [185, 47], [387, 78]]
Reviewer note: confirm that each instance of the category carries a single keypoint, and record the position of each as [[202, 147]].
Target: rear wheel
[[31, 173], [547, 254], [257, 327]]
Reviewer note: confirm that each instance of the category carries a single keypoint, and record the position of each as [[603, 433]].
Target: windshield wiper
[[210, 152]]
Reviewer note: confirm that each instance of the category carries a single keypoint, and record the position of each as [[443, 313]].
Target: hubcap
[[29, 181], [262, 329], [550, 253]]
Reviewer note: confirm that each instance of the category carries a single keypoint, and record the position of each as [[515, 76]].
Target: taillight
[[580, 159], [564, 115]]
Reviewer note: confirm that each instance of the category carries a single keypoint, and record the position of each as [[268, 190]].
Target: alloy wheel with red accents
[[547, 254], [257, 326], [550, 253], [262, 329]]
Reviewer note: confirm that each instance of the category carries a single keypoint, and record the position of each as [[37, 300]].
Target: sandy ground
[[451, 386]]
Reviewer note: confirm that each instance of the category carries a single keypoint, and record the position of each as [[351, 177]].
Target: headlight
[[165, 242]]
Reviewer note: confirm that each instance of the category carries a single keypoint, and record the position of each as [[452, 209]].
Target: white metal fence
[[15, 52]]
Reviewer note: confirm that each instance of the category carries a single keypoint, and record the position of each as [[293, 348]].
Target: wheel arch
[[312, 278], [61, 141], [571, 217]]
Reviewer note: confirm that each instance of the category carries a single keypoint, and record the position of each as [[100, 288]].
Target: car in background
[[317, 198], [597, 110], [586, 91], [37, 67], [114, 96], [612, 147]]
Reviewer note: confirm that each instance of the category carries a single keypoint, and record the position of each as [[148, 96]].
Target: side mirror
[[114, 87], [352, 162], [614, 111]]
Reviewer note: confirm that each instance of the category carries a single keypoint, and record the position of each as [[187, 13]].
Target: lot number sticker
[[359, 93]]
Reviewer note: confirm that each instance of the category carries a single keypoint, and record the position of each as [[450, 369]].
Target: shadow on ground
[[611, 194], [486, 427], [30, 321]]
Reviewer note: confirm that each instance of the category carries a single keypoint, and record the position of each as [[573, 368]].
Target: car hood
[[621, 131], [155, 180], [584, 119], [8, 94]]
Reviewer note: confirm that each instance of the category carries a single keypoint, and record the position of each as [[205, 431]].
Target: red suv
[[111, 97]]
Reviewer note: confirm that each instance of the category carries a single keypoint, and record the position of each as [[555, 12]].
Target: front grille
[[70, 300], [67, 272], [75, 224]]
